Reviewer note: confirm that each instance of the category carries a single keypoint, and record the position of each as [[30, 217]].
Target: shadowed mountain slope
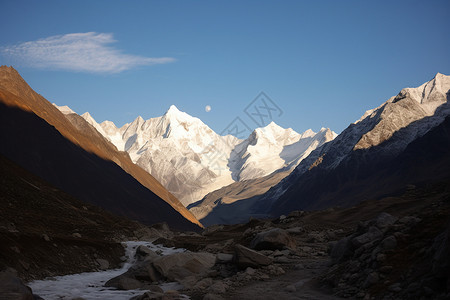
[[366, 175], [17, 145], [38, 223], [46, 153], [88, 139]]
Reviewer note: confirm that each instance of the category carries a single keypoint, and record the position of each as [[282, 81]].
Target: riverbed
[[90, 285]]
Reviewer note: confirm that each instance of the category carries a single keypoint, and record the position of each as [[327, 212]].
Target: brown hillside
[[88, 139]]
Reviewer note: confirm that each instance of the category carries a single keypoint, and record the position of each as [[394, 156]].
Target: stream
[[90, 286]]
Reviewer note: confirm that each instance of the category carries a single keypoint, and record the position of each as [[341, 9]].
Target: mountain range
[[222, 179], [402, 143], [191, 160]]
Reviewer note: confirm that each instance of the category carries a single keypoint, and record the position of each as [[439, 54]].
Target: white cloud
[[83, 52]]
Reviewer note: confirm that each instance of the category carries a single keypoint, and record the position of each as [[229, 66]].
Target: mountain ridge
[[191, 160], [17, 93], [386, 131]]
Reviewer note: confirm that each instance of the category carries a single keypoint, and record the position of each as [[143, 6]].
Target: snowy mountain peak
[[430, 95], [173, 110], [64, 109], [138, 120], [174, 114], [87, 115], [308, 133], [190, 159], [108, 124], [272, 127]]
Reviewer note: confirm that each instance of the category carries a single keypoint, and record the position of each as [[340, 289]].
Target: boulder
[[224, 258], [103, 264], [126, 283], [272, 239], [12, 288], [384, 220], [219, 287], [389, 243], [145, 253], [180, 265], [245, 257], [441, 257], [341, 250], [142, 272], [203, 284], [373, 234]]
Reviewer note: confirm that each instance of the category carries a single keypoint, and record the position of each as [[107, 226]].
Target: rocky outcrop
[[381, 256], [151, 268], [272, 240], [245, 257], [12, 288], [180, 265]]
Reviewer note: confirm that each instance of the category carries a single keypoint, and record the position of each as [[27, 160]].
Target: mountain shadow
[[37, 146]]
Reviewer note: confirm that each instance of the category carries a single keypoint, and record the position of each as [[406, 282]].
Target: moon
[[207, 108]]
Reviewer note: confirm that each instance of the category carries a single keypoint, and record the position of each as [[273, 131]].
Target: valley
[[363, 214]]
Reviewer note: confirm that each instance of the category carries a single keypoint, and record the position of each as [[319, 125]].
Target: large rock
[[145, 253], [135, 277], [441, 257], [12, 288], [373, 234], [180, 265], [272, 239], [341, 250], [245, 257], [384, 220]]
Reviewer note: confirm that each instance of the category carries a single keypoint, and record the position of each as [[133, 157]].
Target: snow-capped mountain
[[191, 160], [64, 109], [360, 151], [271, 148]]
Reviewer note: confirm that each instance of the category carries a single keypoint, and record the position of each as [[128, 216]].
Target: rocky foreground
[[392, 248]]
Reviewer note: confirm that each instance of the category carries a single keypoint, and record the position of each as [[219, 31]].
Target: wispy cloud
[[82, 52]]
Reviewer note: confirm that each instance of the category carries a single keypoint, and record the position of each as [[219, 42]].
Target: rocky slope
[[379, 154], [191, 160], [46, 232], [224, 206], [391, 248], [77, 159]]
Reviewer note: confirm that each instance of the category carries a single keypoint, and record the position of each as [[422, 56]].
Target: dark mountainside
[[223, 206], [403, 142], [45, 152], [367, 175], [46, 232], [378, 155], [17, 93]]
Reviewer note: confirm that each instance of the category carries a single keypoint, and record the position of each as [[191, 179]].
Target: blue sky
[[323, 63]]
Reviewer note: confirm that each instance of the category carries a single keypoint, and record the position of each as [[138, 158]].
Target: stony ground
[[391, 248]]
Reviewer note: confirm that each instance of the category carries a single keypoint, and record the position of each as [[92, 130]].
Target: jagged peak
[[86, 115], [173, 113], [108, 123], [64, 109], [138, 119], [173, 110], [308, 132], [9, 68], [271, 127]]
